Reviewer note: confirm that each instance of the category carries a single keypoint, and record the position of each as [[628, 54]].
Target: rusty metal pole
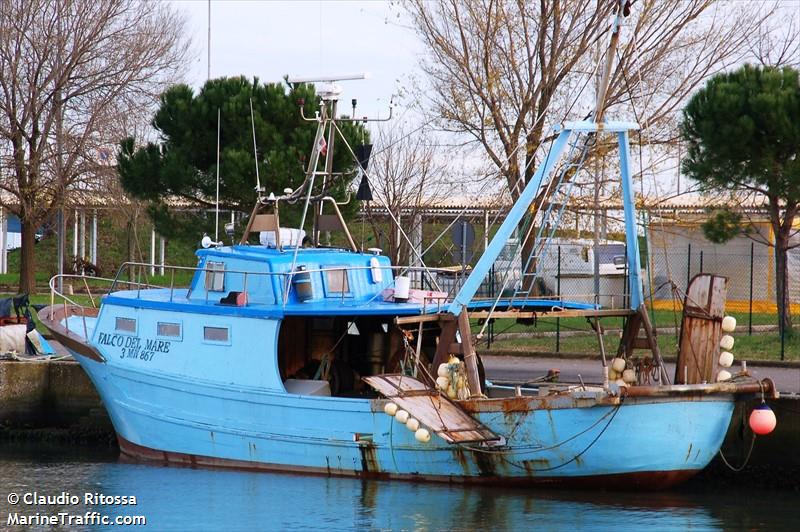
[[689, 267], [558, 291], [750, 319]]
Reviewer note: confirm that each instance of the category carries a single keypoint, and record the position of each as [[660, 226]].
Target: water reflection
[[181, 499]]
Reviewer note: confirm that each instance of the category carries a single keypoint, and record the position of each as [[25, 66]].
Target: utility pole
[[208, 75], [62, 238]]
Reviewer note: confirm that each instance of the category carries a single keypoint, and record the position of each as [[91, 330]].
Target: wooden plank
[[701, 329], [405, 320], [470, 357], [653, 341], [264, 222], [455, 349], [446, 338], [433, 410], [52, 316], [629, 335]]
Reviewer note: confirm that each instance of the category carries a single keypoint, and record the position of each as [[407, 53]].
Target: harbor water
[[171, 498]]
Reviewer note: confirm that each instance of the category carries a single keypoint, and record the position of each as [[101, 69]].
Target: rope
[[530, 448], [746, 460], [614, 413]]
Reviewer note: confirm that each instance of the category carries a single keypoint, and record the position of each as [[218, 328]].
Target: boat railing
[[286, 278], [71, 305], [96, 287]]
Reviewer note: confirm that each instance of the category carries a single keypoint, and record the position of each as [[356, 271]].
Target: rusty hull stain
[[369, 460], [487, 465], [641, 480]]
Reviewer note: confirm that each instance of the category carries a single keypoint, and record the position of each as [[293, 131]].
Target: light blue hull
[[652, 441]]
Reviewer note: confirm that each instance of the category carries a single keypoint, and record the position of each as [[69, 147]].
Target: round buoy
[[401, 416], [726, 359], [443, 382], [762, 419], [629, 376], [443, 371], [723, 375], [423, 435], [390, 409], [726, 342], [728, 324], [412, 424], [618, 365]]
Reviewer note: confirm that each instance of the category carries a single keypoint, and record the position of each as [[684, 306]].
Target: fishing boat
[[286, 355]]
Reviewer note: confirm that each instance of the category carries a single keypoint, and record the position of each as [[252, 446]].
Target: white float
[[726, 342], [618, 364], [728, 324], [390, 409], [726, 359], [401, 416], [422, 435], [723, 375], [412, 424]]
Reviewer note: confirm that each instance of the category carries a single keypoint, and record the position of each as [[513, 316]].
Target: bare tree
[[503, 72], [68, 70], [406, 175]]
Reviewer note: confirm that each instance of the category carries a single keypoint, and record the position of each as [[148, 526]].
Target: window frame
[[117, 329], [176, 338], [336, 269], [227, 341], [214, 270]]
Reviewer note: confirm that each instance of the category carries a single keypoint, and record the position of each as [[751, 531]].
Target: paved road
[[522, 369]]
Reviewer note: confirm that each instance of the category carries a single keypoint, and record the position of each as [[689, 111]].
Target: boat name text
[[133, 346]]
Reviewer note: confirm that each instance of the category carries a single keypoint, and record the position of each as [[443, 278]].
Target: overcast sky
[[270, 39]]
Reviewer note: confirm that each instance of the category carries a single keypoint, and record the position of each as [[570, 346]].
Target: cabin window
[[215, 276], [216, 334], [168, 330], [336, 282], [126, 325]]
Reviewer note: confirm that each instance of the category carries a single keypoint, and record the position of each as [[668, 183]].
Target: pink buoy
[[762, 420]]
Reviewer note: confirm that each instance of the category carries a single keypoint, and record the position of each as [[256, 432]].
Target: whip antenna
[[255, 151], [216, 219]]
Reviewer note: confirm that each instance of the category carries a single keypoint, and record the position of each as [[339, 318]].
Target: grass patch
[[660, 318], [763, 346], [114, 242]]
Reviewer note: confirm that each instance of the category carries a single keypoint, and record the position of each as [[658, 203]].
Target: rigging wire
[[501, 453]]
